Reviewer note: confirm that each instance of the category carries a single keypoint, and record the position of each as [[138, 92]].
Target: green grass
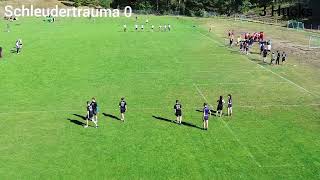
[[66, 63]]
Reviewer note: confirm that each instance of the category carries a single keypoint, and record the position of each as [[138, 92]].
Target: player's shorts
[[95, 113], [229, 105], [89, 116], [220, 107], [205, 118], [122, 110], [283, 59], [178, 113]]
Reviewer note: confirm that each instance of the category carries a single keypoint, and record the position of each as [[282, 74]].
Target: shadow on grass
[[213, 112], [80, 116], [111, 116], [76, 122], [172, 121]]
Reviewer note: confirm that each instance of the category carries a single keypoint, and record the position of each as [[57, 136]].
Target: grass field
[[274, 133]]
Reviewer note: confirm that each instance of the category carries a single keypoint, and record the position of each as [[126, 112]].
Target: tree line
[[189, 7]]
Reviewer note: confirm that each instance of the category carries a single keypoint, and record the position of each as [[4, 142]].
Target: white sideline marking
[[300, 87], [230, 130]]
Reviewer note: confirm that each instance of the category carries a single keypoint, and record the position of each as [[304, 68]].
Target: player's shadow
[[111, 116], [174, 122], [77, 122], [80, 116]]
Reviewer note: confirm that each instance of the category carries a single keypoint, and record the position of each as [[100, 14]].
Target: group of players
[[247, 42], [93, 110], [207, 112], [164, 28]]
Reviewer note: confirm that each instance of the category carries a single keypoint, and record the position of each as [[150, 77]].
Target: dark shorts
[[122, 110], [205, 118], [229, 105], [89, 117], [220, 107], [178, 113], [283, 59]]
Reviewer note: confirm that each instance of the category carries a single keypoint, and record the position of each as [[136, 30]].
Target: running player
[[284, 57], [229, 105], [89, 115], [123, 108], [220, 106], [178, 111], [206, 114], [95, 111], [125, 28]]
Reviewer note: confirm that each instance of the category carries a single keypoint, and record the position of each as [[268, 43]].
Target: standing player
[[278, 58], [125, 28], [284, 56], [18, 46], [273, 58], [147, 21], [142, 27], [229, 105], [152, 27], [178, 111], [165, 27], [206, 113], [136, 27], [89, 114], [160, 27], [264, 55], [123, 108], [95, 111], [169, 27], [220, 106]]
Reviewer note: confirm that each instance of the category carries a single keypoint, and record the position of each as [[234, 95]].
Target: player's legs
[[207, 124]]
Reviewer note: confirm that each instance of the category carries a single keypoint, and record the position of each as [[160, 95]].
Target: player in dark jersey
[[123, 108], [178, 111], [95, 111], [206, 114], [89, 115], [278, 58], [229, 105], [264, 55], [284, 56], [220, 106]]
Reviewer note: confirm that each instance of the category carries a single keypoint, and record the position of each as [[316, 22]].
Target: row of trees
[[185, 7]]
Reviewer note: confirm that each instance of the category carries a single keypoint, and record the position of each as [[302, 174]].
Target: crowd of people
[[246, 41]]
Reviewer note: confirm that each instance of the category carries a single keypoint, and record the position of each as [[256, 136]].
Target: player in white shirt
[[136, 27], [142, 27], [152, 27], [169, 27], [165, 27], [147, 21], [125, 28]]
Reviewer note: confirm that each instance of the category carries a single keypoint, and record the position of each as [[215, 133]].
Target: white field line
[[230, 130], [293, 83]]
